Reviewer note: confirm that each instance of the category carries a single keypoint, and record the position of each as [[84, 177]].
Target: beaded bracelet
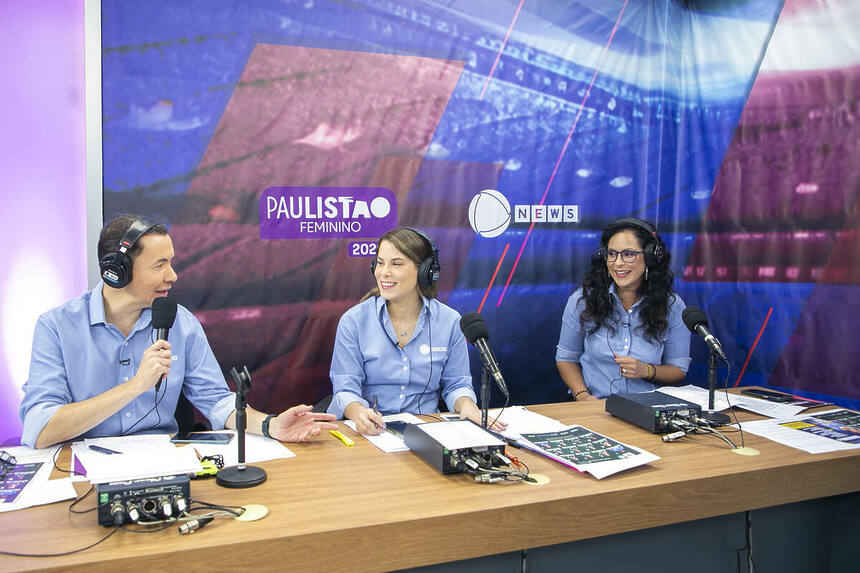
[[578, 392]]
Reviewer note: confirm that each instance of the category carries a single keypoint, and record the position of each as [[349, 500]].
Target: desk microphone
[[695, 319], [476, 332], [163, 316]]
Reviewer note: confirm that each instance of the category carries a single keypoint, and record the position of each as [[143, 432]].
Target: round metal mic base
[[713, 418], [236, 476]]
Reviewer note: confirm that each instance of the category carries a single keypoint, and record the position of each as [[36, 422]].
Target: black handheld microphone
[[163, 315], [476, 332], [695, 319]]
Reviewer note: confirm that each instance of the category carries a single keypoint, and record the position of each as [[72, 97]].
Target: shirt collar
[[97, 305], [97, 310], [613, 290], [425, 302]]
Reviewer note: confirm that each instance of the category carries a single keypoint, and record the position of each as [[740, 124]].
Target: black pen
[[102, 450], [375, 410]]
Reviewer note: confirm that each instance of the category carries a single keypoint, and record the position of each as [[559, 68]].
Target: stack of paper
[[139, 456]]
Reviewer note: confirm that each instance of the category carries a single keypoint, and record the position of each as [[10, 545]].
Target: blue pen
[[102, 450]]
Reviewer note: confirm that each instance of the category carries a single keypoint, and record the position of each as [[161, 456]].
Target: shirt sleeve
[[347, 367], [676, 351], [456, 379], [204, 383], [571, 340], [46, 388]]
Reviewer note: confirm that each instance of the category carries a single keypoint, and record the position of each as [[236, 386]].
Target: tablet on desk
[[202, 438]]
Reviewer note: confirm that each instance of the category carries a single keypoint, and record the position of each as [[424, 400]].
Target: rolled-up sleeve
[[676, 351], [46, 389], [456, 379], [347, 367], [571, 340], [204, 383]]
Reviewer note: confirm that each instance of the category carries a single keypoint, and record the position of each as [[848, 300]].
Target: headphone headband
[[654, 250]]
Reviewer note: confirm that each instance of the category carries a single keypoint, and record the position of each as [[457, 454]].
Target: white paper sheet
[[632, 456], [808, 442], [700, 396], [386, 441], [40, 490], [521, 421], [141, 456]]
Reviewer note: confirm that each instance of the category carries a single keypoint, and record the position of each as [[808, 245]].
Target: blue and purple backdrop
[[277, 139]]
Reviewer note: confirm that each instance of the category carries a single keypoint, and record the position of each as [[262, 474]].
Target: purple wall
[[42, 179]]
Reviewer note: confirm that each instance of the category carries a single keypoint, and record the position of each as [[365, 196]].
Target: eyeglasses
[[627, 255]]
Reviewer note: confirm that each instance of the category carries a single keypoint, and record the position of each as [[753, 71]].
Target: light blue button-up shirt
[[77, 355], [595, 352], [367, 361]]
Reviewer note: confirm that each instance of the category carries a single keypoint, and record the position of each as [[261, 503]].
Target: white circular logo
[[424, 349], [380, 207], [489, 213]]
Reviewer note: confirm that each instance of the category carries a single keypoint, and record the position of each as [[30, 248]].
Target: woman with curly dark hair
[[622, 330]]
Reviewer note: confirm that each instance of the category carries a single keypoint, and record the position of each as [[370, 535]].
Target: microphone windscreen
[[163, 312], [693, 316], [474, 327]]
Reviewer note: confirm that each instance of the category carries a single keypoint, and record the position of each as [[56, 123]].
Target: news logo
[[490, 213], [326, 212]]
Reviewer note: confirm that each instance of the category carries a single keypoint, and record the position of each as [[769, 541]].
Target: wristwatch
[[265, 428]]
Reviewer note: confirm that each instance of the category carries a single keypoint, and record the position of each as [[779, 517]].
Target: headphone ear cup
[[659, 253], [373, 266], [116, 269], [655, 253], [428, 272]]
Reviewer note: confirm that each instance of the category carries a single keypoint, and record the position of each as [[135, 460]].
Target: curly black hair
[[656, 292]]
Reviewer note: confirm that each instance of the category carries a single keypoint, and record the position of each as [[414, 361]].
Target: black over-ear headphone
[[116, 267], [654, 250], [428, 269]]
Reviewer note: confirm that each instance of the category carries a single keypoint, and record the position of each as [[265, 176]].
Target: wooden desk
[[336, 508]]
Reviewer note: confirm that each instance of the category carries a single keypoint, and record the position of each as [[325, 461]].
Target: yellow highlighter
[[346, 441]]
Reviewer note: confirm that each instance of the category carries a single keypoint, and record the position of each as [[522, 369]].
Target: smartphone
[[202, 438], [396, 427], [767, 395]]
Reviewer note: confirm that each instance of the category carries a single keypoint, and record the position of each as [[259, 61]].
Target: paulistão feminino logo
[[490, 213], [326, 212]]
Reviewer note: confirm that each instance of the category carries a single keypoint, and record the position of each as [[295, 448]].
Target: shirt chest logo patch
[[424, 349]]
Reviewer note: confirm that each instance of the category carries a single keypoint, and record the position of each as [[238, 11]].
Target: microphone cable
[[429, 376], [158, 398]]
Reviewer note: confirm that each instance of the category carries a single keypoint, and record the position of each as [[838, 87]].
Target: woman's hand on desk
[[470, 411], [367, 421], [299, 424]]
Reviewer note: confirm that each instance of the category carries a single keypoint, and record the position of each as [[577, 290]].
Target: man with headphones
[[400, 349], [95, 367], [622, 330]]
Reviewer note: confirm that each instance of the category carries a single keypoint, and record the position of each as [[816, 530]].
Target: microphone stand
[[240, 475], [713, 417], [485, 396]]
